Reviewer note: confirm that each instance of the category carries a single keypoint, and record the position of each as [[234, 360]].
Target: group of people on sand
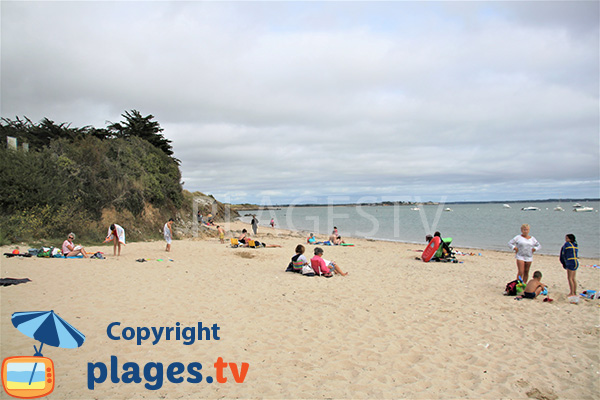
[[334, 239], [524, 245], [254, 224], [115, 234], [318, 266], [209, 219], [244, 239]]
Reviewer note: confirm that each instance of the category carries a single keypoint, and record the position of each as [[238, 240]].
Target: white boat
[[530, 209], [583, 209], [559, 208], [577, 205], [506, 205], [415, 208], [448, 209]]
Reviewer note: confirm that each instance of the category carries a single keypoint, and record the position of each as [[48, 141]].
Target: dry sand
[[395, 327]]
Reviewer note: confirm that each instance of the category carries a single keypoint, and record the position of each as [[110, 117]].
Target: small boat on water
[[583, 209], [530, 209], [559, 208], [415, 208], [506, 205], [577, 205], [448, 209]]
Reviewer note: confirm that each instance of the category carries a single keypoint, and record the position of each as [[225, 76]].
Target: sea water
[[480, 226]]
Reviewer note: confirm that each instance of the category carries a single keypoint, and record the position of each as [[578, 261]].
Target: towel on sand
[[12, 281]]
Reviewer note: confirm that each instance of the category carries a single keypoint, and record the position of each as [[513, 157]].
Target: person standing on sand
[[524, 245], [254, 223], [570, 261], [117, 234], [221, 233], [168, 233]]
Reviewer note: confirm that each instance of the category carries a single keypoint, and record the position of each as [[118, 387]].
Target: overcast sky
[[283, 102]]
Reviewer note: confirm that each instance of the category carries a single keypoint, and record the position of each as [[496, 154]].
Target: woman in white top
[[524, 246]]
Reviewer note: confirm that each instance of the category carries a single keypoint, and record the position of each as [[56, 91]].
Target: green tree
[[143, 127]]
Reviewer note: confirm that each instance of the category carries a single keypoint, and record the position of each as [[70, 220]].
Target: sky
[[328, 102]]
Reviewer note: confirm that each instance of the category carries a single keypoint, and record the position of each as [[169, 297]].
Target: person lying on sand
[[245, 240]]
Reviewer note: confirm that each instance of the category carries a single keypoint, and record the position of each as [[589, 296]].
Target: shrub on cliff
[[69, 180]]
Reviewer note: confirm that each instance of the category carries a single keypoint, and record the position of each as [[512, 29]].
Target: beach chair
[[252, 244], [234, 242]]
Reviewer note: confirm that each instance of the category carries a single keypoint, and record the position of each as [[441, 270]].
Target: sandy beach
[[395, 327]]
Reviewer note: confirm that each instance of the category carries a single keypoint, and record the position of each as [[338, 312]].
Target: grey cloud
[[396, 97]]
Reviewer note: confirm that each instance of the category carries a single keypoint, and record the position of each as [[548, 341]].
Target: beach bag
[[308, 271], [98, 255], [511, 288], [45, 252]]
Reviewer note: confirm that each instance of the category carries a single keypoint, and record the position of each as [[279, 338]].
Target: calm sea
[[481, 226]]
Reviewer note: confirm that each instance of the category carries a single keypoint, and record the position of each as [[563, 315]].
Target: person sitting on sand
[[70, 250], [324, 267], [445, 251], [116, 233], [300, 264], [338, 240], [311, 239], [534, 286], [244, 237]]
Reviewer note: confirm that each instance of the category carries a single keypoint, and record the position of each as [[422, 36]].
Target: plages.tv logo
[[32, 377]]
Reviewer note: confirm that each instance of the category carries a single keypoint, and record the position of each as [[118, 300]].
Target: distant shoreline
[[248, 207]]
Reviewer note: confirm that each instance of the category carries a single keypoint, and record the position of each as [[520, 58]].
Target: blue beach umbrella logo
[[48, 328], [19, 376]]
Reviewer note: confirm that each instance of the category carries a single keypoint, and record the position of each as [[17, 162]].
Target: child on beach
[[570, 261], [221, 233], [534, 287], [300, 263], [324, 267], [168, 233], [311, 239], [524, 246]]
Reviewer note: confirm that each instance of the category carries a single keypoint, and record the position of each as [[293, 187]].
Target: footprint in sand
[[535, 393]]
